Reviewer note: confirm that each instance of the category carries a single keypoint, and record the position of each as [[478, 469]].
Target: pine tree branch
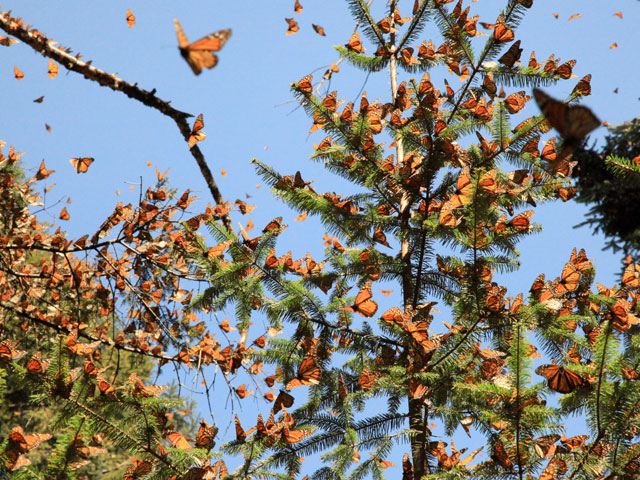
[[416, 25], [45, 46], [360, 10], [491, 43], [81, 333], [145, 448], [323, 321]]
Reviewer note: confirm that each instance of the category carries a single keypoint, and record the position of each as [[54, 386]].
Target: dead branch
[[51, 49]]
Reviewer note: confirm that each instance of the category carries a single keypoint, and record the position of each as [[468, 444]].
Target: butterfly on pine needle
[[561, 379], [199, 54]]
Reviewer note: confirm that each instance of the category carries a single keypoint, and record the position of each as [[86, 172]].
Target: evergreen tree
[[69, 392], [439, 215], [609, 179], [440, 220]]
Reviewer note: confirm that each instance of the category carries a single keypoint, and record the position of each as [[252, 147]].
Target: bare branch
[[48, 48]]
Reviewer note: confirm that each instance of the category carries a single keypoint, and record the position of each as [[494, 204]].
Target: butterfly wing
[[199, 54], [570, 279], [572, 122], [580, 121], [553, 110], [182, 38], [308, 374], [212, 42], [81, 164], [560, 379], [363, 304]]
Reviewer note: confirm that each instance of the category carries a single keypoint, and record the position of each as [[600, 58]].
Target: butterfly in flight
[[199, 54], [573, 122]]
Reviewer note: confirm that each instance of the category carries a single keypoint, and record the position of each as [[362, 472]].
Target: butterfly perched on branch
[[562, 379], [199, 54], [573, 122]]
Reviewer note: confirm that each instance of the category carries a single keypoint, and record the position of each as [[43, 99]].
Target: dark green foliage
[[613, 196]]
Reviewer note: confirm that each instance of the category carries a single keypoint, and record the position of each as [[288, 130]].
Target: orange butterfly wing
[[8, 351], [308, 374], [569, 280], [206, 436], [197, 134], [572, 122], [81, 164], [561, 379], [199, 53], [282, 400], [363, 304], [464, 189]]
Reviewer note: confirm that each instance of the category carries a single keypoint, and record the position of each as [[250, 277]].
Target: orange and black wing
[[572, 122], [308, 374], [199, 54], [561, 379], [363, 304]]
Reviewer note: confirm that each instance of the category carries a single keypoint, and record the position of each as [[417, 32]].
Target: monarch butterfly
[[206, 435], [464, 189], [240, 433], [81, 164], [199, 54], [502, 33], [572, 122], [500, 455], [630, 374], [23, 443], [363, 304], [560, 379], [283, 399], [569, 280], [448, 217], [564, 70], [583, 87], [178, 440], [292, 26], [574, 442], [8, 351], [36, 365], [354, 43], [631, 276], [541, 290], [274, 224], [294, 436], [308, 374], [522, 221], [138, 469], [580, 260], [512, 55], [545, 446], [196, 131], [366, 379], [318, 29], [305, 84]]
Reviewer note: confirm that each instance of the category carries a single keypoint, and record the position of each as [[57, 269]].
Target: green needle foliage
[[439, 220], [609, 181], [442, 185]]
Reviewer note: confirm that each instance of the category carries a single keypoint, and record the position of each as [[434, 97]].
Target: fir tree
[[440, 220]]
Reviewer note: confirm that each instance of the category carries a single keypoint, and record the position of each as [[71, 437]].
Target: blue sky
[[247, 105]]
